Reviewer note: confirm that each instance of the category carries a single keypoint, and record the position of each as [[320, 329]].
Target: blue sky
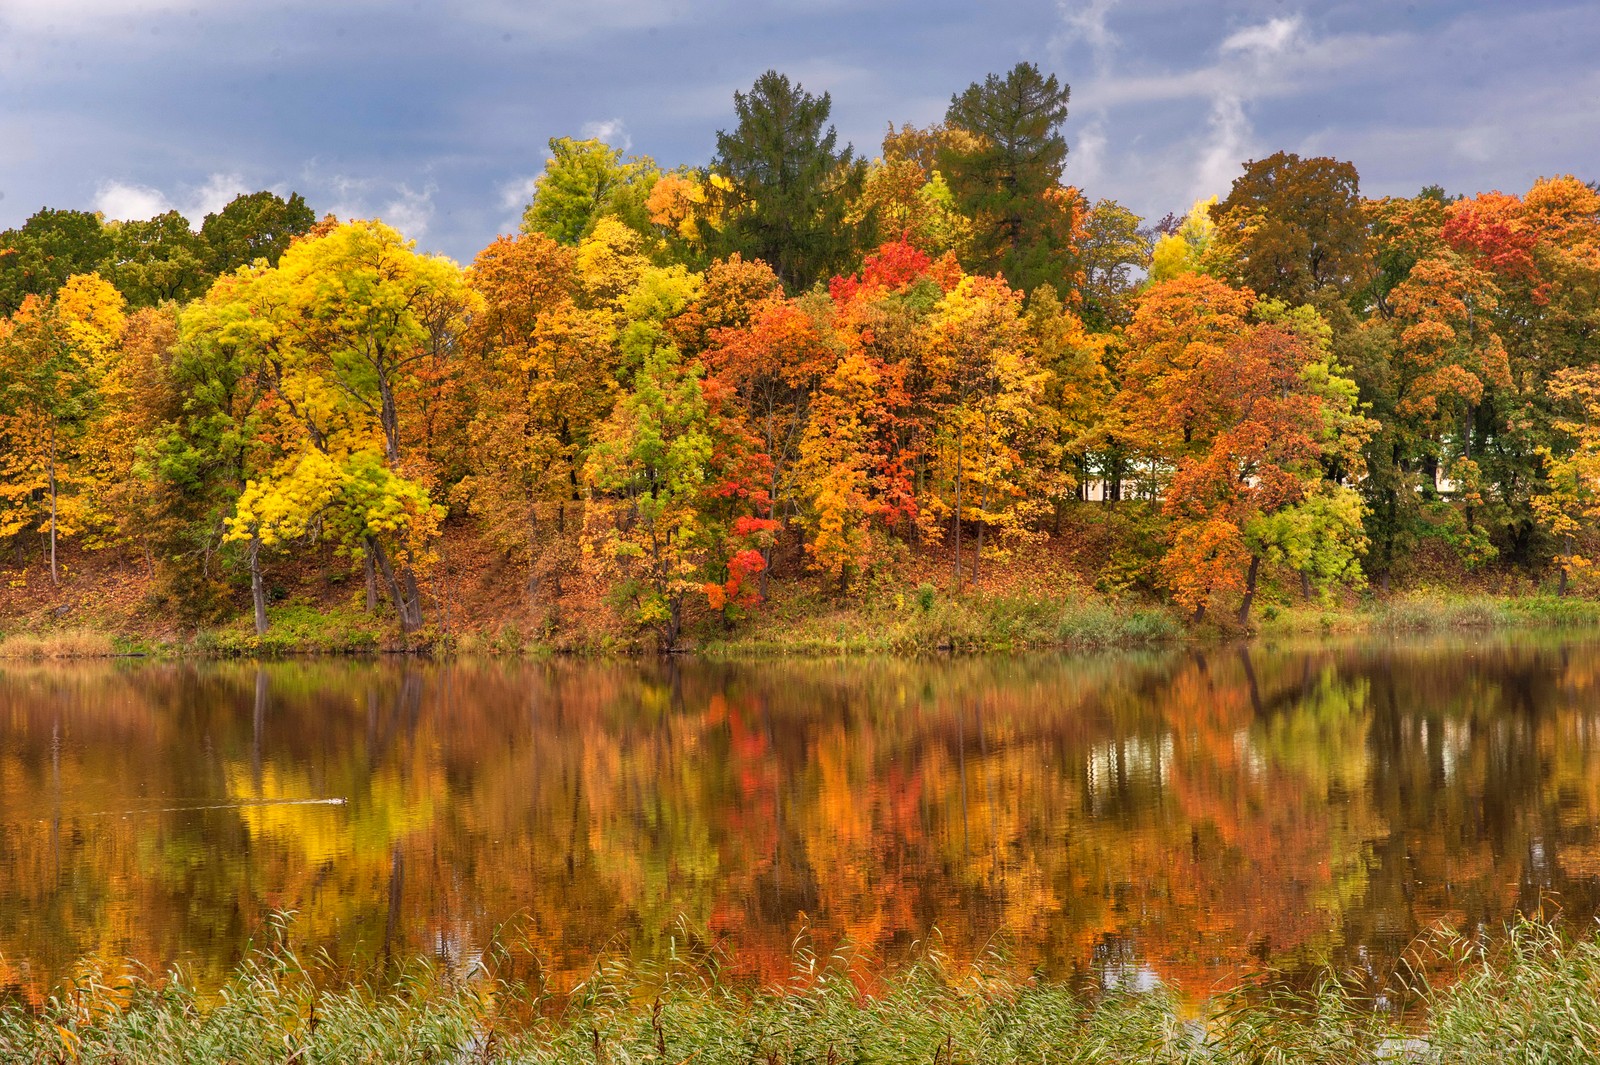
[[435, 116]]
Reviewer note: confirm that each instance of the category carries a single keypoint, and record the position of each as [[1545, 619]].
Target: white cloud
[[1228, 141], [410, 211], [124, 202], [1086, 22], [1272, 36], [516, 193], [99, 17], [217, 192], [1086, 161], [610, 130]]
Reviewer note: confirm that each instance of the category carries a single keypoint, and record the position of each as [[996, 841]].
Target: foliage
[[1006, 172], [584, 181], [785, 185]]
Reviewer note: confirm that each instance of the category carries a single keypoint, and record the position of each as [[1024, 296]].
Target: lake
[[1179, 817]]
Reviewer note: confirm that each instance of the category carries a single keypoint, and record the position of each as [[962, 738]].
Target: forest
[[678, 392]]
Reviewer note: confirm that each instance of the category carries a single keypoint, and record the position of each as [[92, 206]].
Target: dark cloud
[[436, 116]]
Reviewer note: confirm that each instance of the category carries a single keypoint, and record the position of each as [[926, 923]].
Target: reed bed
[[1536, 998]]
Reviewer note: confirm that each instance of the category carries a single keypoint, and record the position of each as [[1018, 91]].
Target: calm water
[[1176, 817]]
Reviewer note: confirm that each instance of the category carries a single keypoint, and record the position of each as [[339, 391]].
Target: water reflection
[[1174, 817]]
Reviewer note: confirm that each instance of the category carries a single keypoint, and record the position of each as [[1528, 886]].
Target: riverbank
[[1053, 599], [811, 625], [1537, 995]]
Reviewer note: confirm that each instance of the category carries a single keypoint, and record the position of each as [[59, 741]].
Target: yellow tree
[[339, 330], [847, 467], [53, 357], [990, 437], [1570, 509]]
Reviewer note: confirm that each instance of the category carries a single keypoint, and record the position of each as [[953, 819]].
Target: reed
[[1535, 998]]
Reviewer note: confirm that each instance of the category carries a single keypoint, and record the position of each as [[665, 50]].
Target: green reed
[[1534, 998]]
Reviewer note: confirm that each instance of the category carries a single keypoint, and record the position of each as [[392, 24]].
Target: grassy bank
[[801, 621], [1432, 611], [925, 619], [1537, 998]]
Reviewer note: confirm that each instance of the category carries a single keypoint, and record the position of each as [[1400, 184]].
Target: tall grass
[[929, 621], [1434, 613], [57, 643], [1538, 999]]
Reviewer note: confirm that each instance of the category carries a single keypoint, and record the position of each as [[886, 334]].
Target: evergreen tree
[[781, 185], [1006, 174]]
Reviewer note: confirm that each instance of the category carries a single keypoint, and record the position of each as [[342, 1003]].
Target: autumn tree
[[1570, 508], [1295, 227], [338, 330], [788, 186], [910, 200], [654, 488], [1187, 249], [1077, 392], [849, 469], [1161, 413], [989, 443], [1267, 428], [771, 367], [538, 372], [54, 353]]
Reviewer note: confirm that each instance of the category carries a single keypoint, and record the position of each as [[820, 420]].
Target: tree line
[[673, 380]]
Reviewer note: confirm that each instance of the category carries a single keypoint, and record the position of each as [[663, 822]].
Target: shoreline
[[972, 625]]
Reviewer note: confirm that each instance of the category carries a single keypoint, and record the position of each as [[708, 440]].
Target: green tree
[[781, 187], [1006, 175], [158, 259], [584, 181], [1113, 250], [51, 246], [256, 225]]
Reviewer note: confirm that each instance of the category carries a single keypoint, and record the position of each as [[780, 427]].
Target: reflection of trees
[[1178, 815]]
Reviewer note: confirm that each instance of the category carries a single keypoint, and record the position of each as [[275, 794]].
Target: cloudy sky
[[434, 116]]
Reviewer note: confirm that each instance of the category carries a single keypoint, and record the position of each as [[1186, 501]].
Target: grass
[[295, 627], [1535, 998], [1433, 613], [58, 643], [923, 620]]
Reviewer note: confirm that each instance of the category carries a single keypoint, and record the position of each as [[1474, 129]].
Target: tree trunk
[[55, 576], [1566, 546], [408, 609], [957, 589], [372, 579], [1249, 590], [1305, 586], [258, 590]]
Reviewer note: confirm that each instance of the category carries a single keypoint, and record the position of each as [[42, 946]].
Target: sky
[[436, 116]]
